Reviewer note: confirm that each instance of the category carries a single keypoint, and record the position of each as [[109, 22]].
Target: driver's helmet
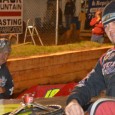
[[108, 14], [5, 45], [5, 49], [108, 20]]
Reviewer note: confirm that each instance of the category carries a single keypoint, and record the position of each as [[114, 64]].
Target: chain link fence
[[42, 14]]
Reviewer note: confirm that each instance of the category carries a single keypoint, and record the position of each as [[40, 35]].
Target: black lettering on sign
[[12, 22], [10, 1], [10, 29]]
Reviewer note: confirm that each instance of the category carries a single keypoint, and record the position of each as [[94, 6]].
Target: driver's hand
[[74, 108]]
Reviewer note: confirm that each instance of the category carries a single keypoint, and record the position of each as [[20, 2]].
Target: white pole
[[57, 17]]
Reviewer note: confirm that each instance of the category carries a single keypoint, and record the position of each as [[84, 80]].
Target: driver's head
[[5, 45], [5, 48], [108, 20]]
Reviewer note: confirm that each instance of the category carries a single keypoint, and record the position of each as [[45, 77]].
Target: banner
[[93, 5], [11, 16]]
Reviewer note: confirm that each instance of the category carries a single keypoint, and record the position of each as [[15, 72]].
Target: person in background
[[82, 18], [102, 76], [98, 29], [6, 82], [69, 12]]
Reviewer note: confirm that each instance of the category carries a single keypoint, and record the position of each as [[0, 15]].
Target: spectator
[[6, 82], [69, 12], [98, 30], [82, 18], [102, 77]]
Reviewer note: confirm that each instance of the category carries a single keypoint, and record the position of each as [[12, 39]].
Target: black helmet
[[5, 45], [108, 14]]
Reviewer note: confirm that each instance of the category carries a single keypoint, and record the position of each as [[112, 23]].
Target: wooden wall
[[53, 69]]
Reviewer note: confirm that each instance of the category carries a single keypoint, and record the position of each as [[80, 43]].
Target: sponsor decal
[[108, 68], [11, 16], [51, 92]]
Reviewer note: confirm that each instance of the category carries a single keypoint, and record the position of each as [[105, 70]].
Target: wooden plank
[[35, 62], [52, 70], [58, 79]]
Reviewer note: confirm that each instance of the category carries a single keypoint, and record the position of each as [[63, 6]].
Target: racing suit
[[6, 82], [102, 77]]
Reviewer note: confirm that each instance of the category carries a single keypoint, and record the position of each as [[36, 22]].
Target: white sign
[[11, 16]]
